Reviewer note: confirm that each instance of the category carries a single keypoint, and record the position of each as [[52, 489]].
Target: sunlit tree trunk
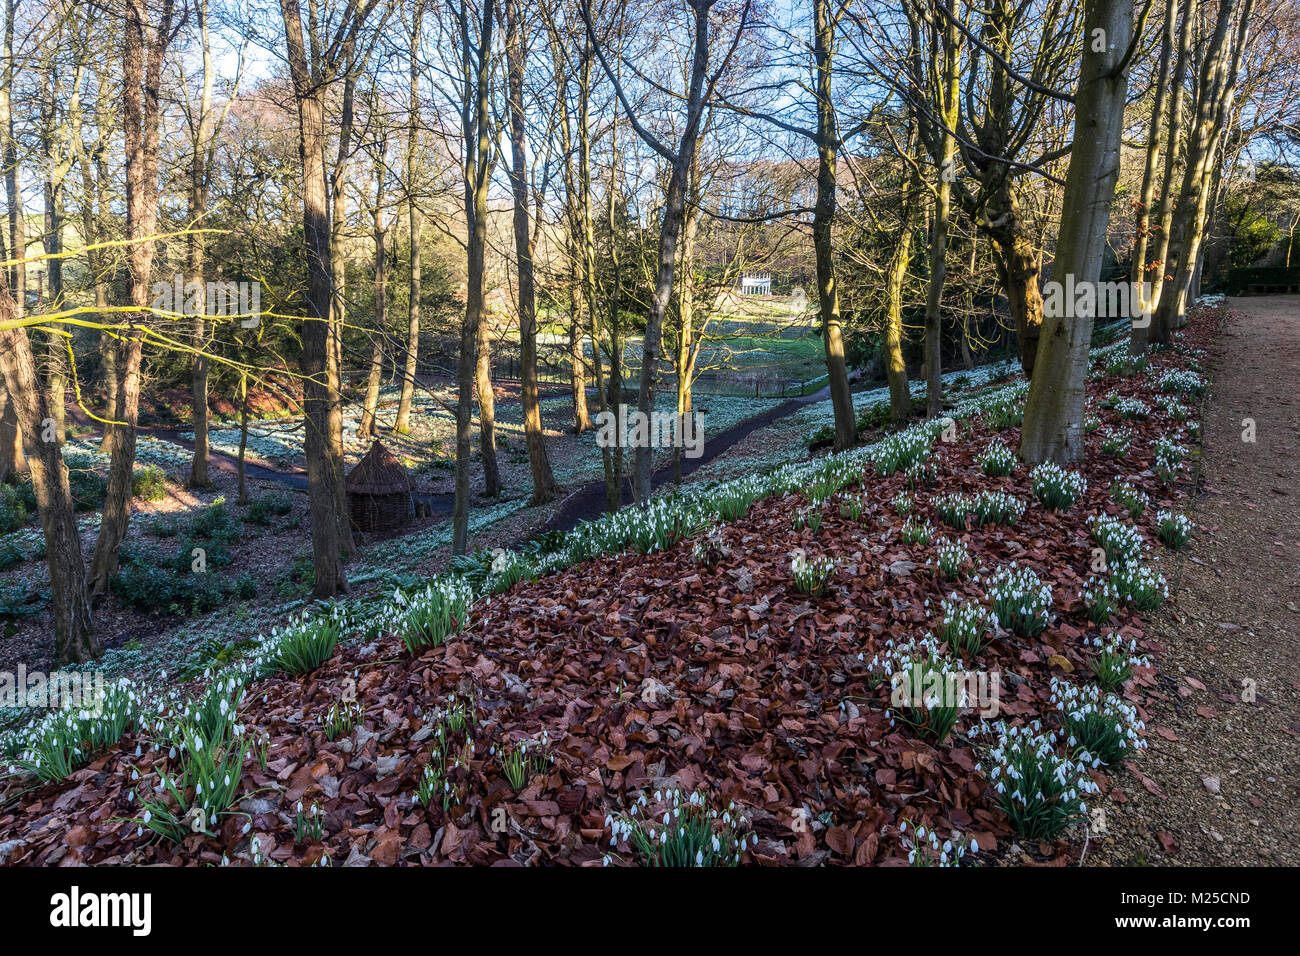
[[370, 406], [476, 55], [144, 51], [538, 463], [900, 396], [1218, 82], [846, 428], [1155, 143], [194, 245], [1053, 425], [74, 635], [947, 72], [413, 226], [321, 412], [1144, 332]]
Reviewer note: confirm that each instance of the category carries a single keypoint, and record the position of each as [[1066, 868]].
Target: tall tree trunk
[[1155, 143], [413, 225], [11, 440], [476, 64], [338, 267], [1144, 332], [1053, 426], [577, 360], [577, 184], [13, 190], [242, 493], [670, 229], [538, 463], [144, 51], [1218, 82], [321, 413], [370, 407], [612, 397], [846, 426], [74, 635], [487, 409], [194, 244], [950, 80], [56, 357], [900, 396], [684, 360]]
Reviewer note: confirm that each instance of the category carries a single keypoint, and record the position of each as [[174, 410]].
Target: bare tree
[[699, 91]]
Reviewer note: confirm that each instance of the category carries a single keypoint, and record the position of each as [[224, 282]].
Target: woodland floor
[[760, 694], [1220, 783]]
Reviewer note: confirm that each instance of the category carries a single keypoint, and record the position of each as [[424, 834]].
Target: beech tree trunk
[[1145, 332], [1053, 426], [1218, 82], [1155, 143]]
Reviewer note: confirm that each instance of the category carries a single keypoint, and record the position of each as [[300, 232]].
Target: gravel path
[[1223, 770]]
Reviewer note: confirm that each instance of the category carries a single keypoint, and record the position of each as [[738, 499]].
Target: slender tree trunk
[[846, 426], [370, 407], [413, 224], [242, 497], [577, 360], [487, 409], [950, 78], [74, 635], [144, 51], [1218, 81], [338, 270], [538, 463], [194, 244], [13, 191], [476, 63], [321, 413], [1155, 143], [669, 234], [56, 356], [1144, 332], [12, 459], [900, 396], [1053, 426], [612, 458]]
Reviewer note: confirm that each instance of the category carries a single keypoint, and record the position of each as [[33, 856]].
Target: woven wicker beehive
[[379, 491]]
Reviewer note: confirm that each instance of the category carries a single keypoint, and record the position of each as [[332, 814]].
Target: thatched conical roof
[[378, 473]]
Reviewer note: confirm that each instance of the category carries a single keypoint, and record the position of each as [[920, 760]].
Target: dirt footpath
[[1222, 776]]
